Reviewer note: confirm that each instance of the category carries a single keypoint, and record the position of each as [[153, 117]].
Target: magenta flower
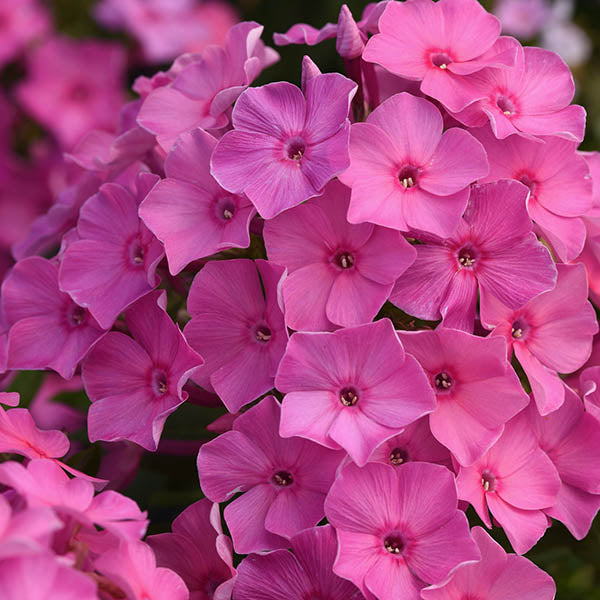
[[113, 261], [206, 85], [189, 212], [20, 435], [430, 42], [493, 250], [198, 551], [351, 389], [516, 481], [74, 86], [25, 530], [569, 436], [9, 398], [21, 24], [589, 383], [339, 274], [237, 326], [286, 146], [405, 174], [305, 573], [415, 443], [398, 529], [282, 491], [48, 330], [551, 334], [167, 29], [44, 483], [476, 389], [135, 384], [131, 567], [531, 99], [498, 576], [558, 181], [42, 577], [523, 18]]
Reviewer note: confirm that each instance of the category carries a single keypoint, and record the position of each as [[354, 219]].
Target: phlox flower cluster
[[379, 280]]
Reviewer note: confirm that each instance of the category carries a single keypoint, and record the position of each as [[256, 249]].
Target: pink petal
[[447, 172]]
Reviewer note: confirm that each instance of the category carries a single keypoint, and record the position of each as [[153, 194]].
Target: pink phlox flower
[[105, 152], [19, 434], [73, 86], [494, 251], [589, 385], [113, 262], [415, 443], [350, 35], [48, 330], [590, 255], [306, 572], [204, 90], [558, 180], [136, 383], [569, 436], [189, 211], [523, 18], [516, 481], [198, 552], [531, 99], [282, 492], [286, 145], [238, 327], [351, 389], [9, 398], [131, 567], [436, 44], [48, 229], [551, 334], [44, 484], [476, 389], [22, 23], [497, 576], [25, 531], [398, 529], [301, 33], [41, 577], [166, 28], [339, 274], [405, 173]]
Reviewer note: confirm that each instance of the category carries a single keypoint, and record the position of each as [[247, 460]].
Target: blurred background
[[67, 66]]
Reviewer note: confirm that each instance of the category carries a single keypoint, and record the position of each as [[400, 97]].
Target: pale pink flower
[[405, 174]]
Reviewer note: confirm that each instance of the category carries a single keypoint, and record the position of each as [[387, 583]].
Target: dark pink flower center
[[348, 396], [263, 334], [407, 176], [136, 252], [398, 456], [344, 260], [295, 149], [80, 92], [488, 481], [76, 315], [467, 256], [394, 543], [282, 478], [519, 329], [443, 382], [526, 179], [506, 105], [225, 208], [441, 60], [159, 382]]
